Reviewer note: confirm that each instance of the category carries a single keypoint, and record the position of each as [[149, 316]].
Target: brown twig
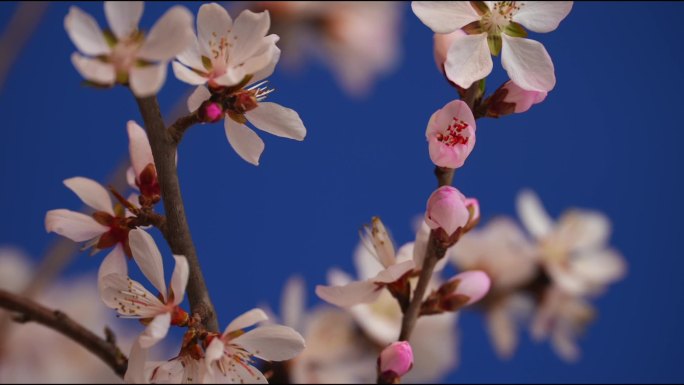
[[29, 310], [177, 229], [182, 124]]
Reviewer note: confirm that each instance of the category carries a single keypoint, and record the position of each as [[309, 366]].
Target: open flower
[[574, 250], [143, 173], [451, 134], [380, 247], [233, 59], [124, 54], [493, 28], [229, 356], [133, 300]]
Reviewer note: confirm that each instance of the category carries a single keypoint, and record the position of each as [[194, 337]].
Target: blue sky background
[[608, 137]]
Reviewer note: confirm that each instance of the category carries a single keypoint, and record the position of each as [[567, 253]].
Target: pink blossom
[[451, 134], [213, 112], [442, 43], [448, 209], [396, 358], [521, 98], [472, 284]]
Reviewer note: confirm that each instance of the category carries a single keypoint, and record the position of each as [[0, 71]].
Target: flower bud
[[511, 98], [447, 209], [212, 112], [473, 284], [395, 360]]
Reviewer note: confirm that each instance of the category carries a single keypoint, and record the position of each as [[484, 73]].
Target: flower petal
[[533, 215], [246, 320], [244, 141], [169, 36], [350, 294], [123, 17], [213, 24], [468, 60], [147, 80], [179, 279], [191, 56], [527, 63], [214, 351], [129, 298], [85, 33], [199, 96], [293, 302], [139, 147], [135, 373], [76, 226], [444, 16], [268, 69], [580, 230], [262, 63], [244, 373], [187, 75], [91, 193], [248, 33], [113, 263], [156, 330], [394, 272], [277, 120], [542, 16], [272, 343], [148, 258], [94, 70]]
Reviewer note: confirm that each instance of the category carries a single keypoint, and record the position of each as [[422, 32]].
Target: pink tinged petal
[[179, 278], [268, 70], [135, 373], [169, 36], [156, 330], [350, 294], [187, 75], [148, 258], [397, 358], [76, 226], [444, 16], [542, 16], [129, 298], [91, 193], [449, 147], [473, 284], [248, 32], [85, 33], [277, 120], [244, 141], [442, 43], [147, 80], [123, 17], [113, 263], [94, 70], [272, 343], [533, 215], [446, 209], [366, 262], [214, 352], [139, 147], [468, 60], [527, 63], [293, 304], [213, 23], [191, 55], [522, 98], [233, 76], [393, 273], [246, 320], [199, 96], [262, 63], [242, 373]]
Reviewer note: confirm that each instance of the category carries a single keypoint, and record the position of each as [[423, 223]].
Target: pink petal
[[468, 60], [272, 343], [246, 320], [73, 225], [527, 63], [148, 258], [350, 294], [397, 358], [474, 284], [446, 209], [393, 273], [91, 193], [179, 278], [542, 16], [139, 147], [444, 16], [114, 263]]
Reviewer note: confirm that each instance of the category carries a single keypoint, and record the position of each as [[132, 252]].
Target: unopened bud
[[212, 112], [473, 285], [511, 98], [448, 209], [395, 361]]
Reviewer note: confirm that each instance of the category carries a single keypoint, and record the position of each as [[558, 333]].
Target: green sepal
[[494, 42], [515, 30]]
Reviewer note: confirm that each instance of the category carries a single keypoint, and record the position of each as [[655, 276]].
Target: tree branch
[[29, 310], [177, 232], [182, 124]]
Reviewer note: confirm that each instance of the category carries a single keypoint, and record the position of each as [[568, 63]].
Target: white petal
[[244, 141], [199, 96], [350, 294], [293, 302], [135, 373], [277, 120], [367, 265], [244, 373], [262, 62], [113, 263], [394, 272], [191, 55], [268, 70], [444, 16], [599, 267], [76, 226], [156, 330], [213, 23], [91, 193], [542, 16], [533, 215], [169, 36], [148, 258], [527, 63], [214, 351], [94, 70], [582, 229], [123, 17], [248, 32], [129, 298], [468, 60], [139, 147], [187, 75], [179, 278], [147, 80], [85, 33], [246, 320], [272, 343]]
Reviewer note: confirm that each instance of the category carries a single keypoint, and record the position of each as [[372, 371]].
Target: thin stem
[[177, 232], [29, 310], [182, 124]]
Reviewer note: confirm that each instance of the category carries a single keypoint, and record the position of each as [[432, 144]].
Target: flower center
[[500, 16], [453, 134]]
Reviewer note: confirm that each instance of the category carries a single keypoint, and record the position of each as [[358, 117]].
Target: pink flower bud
[[442, 43], [523, 99], [473, 284], [397, 359], [213, 112], [447, 208], [451, 134]]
